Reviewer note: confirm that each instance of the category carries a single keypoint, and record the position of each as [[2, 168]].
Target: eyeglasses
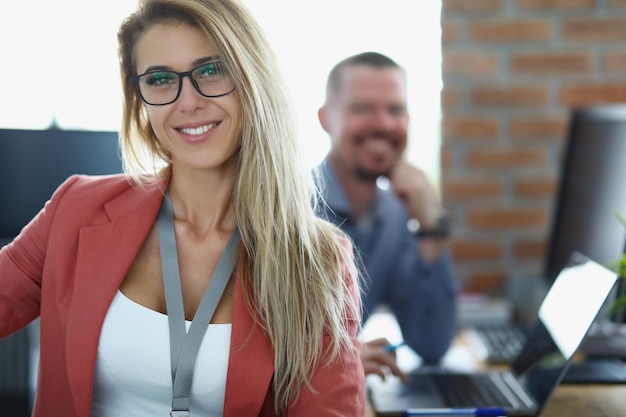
[[159, 87]]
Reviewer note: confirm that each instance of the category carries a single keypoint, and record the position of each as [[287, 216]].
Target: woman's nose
[[190, 99]]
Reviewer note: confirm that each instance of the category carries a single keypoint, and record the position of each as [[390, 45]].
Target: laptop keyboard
[[471, 390], [499, 343]]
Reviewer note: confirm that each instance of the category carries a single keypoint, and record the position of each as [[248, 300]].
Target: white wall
[[59, 60]]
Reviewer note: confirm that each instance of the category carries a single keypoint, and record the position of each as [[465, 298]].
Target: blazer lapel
[[105, 253], [251, 363]]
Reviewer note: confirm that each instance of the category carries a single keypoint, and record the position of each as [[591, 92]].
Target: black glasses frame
[[181, 75]]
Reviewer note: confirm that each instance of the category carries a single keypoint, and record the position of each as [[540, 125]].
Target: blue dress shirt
[[421, 295]]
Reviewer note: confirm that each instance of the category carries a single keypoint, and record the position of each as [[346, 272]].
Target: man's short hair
[[369, 59]]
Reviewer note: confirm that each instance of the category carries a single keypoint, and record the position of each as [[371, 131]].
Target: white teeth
[[198, 130]]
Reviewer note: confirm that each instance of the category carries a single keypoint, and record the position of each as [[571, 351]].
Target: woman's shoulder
[[97, 184], [98, 189], [339, 237], [100, 181], [344, 247]]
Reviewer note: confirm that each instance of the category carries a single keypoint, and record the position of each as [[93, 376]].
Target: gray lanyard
[[184, 345]]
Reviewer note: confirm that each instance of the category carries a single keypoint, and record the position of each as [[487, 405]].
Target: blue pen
[[478, 412], [392, 348]]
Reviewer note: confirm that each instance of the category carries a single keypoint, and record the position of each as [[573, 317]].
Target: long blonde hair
[[294, 277]]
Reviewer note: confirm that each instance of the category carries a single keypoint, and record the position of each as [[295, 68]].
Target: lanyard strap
[[184, 345]]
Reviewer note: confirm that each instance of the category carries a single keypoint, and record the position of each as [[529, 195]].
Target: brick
[[461, 189], [450, 96], [486, 281], [471, 250], [470, 127], [552, 63], [542, 187], [555, 4], [539, 127], [506, 158], [450, 31], [594, 29], [469, 63], [510, 95], [583, 95], [446, 158], [524, 249], [510, 30], [470, 6], [507, 218], [615, 61]]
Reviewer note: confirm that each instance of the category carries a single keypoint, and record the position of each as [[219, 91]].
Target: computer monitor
[[591, 191], [33, 163]]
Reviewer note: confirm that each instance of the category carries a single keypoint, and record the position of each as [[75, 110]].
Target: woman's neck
[[203, 200]]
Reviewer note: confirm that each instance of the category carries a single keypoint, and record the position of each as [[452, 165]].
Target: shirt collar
[[336, 197]]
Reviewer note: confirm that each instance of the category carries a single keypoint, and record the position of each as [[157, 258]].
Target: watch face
[[442, 230]]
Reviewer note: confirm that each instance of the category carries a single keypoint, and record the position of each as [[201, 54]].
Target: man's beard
[[367, 175], [371, 175]]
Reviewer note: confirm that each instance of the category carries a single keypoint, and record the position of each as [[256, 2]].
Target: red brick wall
[[511, 71]]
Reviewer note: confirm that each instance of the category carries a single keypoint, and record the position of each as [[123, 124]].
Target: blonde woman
[[200, 283]]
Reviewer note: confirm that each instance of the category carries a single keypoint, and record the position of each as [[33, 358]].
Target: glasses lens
[[163, 87], [212, 80], [159, 87]]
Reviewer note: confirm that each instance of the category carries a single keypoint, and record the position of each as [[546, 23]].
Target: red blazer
[[66, 267]]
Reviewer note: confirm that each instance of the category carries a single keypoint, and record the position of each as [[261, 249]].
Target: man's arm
[[425, 274], [422, 204], [422, 296]]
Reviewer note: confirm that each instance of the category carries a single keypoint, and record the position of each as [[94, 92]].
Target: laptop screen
[[565, 315]]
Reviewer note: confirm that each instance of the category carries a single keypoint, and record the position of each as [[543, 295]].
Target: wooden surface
[[587, 401], [574, 400]]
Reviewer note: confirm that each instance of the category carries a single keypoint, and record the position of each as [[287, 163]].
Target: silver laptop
[[564, 318]]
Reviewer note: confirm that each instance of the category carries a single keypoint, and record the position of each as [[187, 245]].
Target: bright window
[[60, 60]]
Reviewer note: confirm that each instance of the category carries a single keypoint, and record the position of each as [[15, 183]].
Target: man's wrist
[[441, 230]]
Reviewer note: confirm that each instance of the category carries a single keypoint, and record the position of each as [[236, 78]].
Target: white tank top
[[133, 371]]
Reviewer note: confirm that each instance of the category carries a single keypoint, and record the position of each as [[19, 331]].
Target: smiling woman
[[217, 239], [81, 83]]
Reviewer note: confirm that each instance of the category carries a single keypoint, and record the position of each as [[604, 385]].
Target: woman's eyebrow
[[199, 61], [210, 58], [157, 68]]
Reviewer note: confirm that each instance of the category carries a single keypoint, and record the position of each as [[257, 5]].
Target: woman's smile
[[195, 135]]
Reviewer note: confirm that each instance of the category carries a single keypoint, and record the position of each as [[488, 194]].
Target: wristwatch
[[441, 231]]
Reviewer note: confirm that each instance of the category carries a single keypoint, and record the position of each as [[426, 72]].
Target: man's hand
[[422, 203], [377, 360], [417, 193]]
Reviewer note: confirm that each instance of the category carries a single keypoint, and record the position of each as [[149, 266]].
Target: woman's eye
[[160, 78], [212, 69]]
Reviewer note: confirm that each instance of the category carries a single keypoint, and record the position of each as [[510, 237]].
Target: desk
[[571, 400], [579, 401], [587, 401]]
